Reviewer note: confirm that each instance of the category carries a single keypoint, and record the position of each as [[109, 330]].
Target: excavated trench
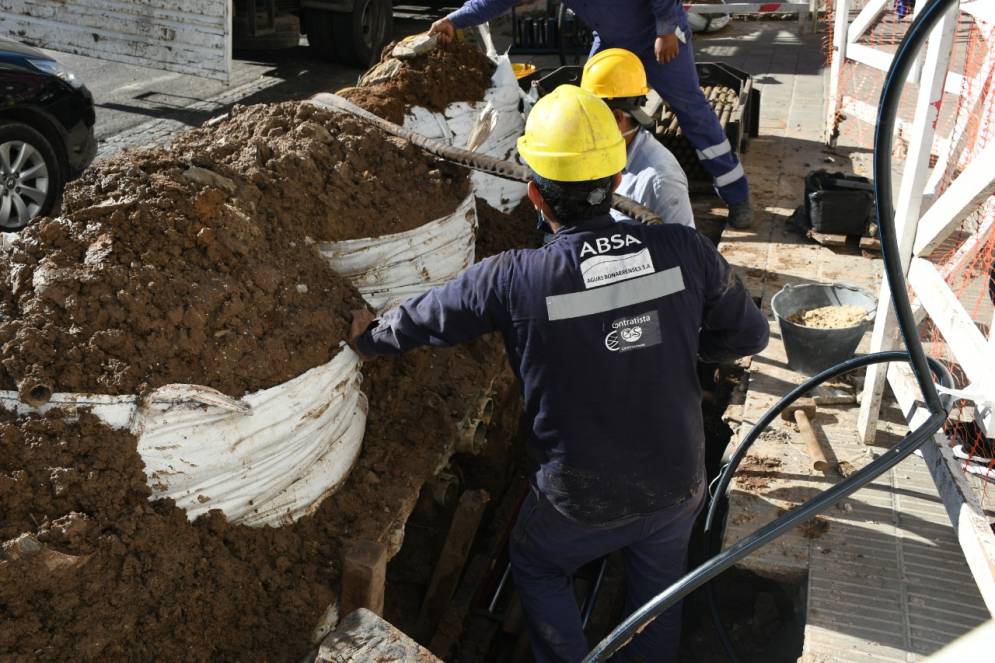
[[196, 263], [483, 622]]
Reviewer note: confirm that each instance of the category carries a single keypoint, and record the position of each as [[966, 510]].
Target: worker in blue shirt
[[652, 175], [657, 31], [603, 327]]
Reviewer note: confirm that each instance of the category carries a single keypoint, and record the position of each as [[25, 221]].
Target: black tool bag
[[837, 203]]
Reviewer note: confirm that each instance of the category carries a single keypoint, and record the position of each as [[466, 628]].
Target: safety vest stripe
[[731, 176], [715, 150], [619, 295]]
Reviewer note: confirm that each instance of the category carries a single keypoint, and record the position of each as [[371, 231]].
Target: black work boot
[[740, 215]]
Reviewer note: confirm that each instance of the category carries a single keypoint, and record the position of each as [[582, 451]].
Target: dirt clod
[[755, 472], [814, 528], [91, 570], [450, 73]]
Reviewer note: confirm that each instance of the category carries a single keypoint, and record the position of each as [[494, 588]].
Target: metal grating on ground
[[887, 580]]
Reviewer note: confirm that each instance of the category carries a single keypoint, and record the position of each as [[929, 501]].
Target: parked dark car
[[46, 132]]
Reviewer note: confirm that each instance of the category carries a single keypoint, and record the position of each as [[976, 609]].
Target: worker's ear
[[535, 196], [620, 117], [616, 181]]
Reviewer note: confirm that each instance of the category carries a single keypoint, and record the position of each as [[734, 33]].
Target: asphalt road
[[127, 96]]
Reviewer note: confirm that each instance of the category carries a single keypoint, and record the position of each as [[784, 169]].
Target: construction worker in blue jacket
[[657, 31], [603, 327]]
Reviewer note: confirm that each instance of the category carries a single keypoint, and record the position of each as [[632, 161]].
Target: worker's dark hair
[[576, 201], [625, 103]]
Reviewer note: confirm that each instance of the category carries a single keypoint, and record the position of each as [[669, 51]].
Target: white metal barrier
[[918, 234]]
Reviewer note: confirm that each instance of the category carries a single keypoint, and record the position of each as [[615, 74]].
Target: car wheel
[[361, 35], [30, 175]]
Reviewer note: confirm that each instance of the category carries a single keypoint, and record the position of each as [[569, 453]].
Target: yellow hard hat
[[614, 73], [572, 136]]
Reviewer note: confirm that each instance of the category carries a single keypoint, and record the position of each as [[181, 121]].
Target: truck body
[[198, 36]]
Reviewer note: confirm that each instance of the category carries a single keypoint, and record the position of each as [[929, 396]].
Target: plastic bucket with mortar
[[811, 350]]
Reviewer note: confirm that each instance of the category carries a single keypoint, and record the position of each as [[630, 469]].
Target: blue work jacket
[[623, 23], [603, 327]]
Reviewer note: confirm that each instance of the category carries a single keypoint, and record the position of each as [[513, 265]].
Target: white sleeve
[[670, 198]]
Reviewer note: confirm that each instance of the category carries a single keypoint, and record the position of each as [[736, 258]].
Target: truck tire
[[361, 35], [31, 178], [319, 27]]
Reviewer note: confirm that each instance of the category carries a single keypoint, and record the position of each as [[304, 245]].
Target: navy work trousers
[[547, 548], [677, 83]]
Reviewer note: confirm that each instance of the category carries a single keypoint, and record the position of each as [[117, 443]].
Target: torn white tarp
[[389, 269], [265, 459], [494, 124]]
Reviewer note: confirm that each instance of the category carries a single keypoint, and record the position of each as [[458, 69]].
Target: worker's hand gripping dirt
[[362, 318], [444, 29]]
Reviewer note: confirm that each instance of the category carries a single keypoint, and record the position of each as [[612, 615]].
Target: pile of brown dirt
[[121, 577], [174, 281], [308, 171], [497, 231], [118, 577], [450, 73], [194, 263], [830, 317]]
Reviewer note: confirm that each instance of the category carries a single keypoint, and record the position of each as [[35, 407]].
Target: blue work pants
[[547, 549], [677, 83]]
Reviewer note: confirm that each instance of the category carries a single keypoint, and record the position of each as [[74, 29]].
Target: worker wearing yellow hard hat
[[653, 177], [603, 327], [658, 33]]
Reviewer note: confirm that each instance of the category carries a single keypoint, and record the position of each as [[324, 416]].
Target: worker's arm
[[668, 197], [470, 14], [667, 14], [732, 326], [469, 306]]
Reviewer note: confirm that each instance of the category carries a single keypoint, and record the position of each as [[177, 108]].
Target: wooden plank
[[971, 188], [450, 627], [827, 239], [959, 499], [186, 36], [870, 244], [448, 569], [364, 637], [908, 207], [966, 342], [364, 571]]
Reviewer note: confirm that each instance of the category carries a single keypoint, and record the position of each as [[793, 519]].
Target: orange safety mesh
[[965, 126]]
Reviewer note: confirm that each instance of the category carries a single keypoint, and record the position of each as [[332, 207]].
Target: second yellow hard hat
[[614, 73]]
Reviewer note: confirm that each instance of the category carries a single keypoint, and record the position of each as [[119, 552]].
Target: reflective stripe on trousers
[[677, 83]]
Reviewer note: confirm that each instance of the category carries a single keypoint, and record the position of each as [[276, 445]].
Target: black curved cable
[[725, 476], [937, 406]]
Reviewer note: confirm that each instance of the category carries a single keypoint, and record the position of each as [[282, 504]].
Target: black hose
[[937, 406], [725, 476]]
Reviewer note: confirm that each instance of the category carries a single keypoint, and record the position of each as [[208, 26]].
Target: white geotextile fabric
[[265, 459], [391, 268], [495, 123]]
